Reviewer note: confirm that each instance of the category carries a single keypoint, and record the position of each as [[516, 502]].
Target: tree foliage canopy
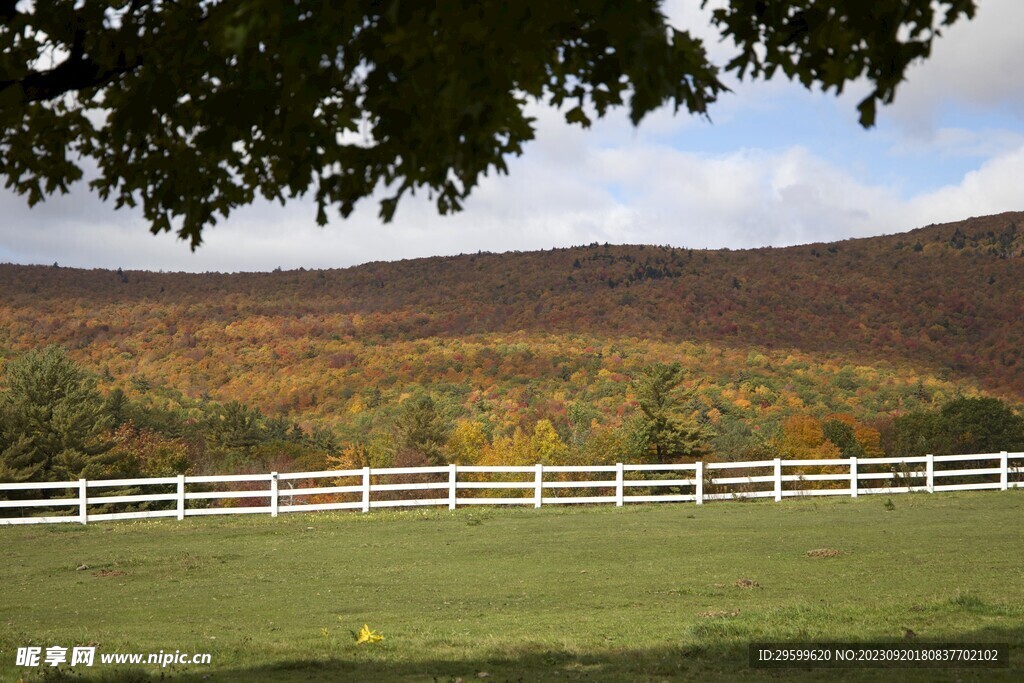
[[663, 431], [192, 109], [52, 419], [421, 432], [962, 426]]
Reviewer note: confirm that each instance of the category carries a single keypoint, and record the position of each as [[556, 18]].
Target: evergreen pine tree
[[52, 420], [663, 432]]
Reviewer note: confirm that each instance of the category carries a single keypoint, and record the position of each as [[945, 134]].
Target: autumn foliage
[[817, 351]]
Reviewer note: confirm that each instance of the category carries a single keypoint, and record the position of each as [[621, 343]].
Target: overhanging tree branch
[[257, 96], [79, 71], [71, 75]]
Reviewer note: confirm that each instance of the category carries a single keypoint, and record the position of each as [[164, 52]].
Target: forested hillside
[[773, 345]]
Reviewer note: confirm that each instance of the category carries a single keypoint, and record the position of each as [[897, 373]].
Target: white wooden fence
[[187, 496]]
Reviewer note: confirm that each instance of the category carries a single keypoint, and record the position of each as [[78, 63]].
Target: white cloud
[[744, 199], [992, 188], [961, 142], [975, 64], [752, 198]]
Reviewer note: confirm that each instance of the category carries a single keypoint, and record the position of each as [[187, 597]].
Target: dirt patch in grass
[[747, 583], [824, 552], [103, 573]]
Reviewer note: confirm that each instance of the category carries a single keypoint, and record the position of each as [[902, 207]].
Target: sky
[[777, 165]]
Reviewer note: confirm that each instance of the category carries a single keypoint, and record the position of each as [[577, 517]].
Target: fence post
[[778, 479], [181, 496], [83, 501], [1004, 471], [366, 489], [620, 485], [698, 475], [453, 470], [930, 472], [538, 481], [273, 494], [854, 481]]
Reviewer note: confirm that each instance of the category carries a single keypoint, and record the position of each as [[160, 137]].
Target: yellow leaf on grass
[[367, 635]]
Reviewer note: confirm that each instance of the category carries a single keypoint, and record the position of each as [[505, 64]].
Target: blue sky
[[777, 165], [828, 127]]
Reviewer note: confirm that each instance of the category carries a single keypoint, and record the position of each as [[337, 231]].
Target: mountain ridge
[[942, 295]]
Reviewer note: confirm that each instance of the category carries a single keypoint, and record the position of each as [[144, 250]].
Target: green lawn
[[588, 593]]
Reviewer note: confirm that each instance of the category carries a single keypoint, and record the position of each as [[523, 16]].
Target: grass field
[[671, 592]]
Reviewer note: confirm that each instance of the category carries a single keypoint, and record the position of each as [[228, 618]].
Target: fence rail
[[185, 496]]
